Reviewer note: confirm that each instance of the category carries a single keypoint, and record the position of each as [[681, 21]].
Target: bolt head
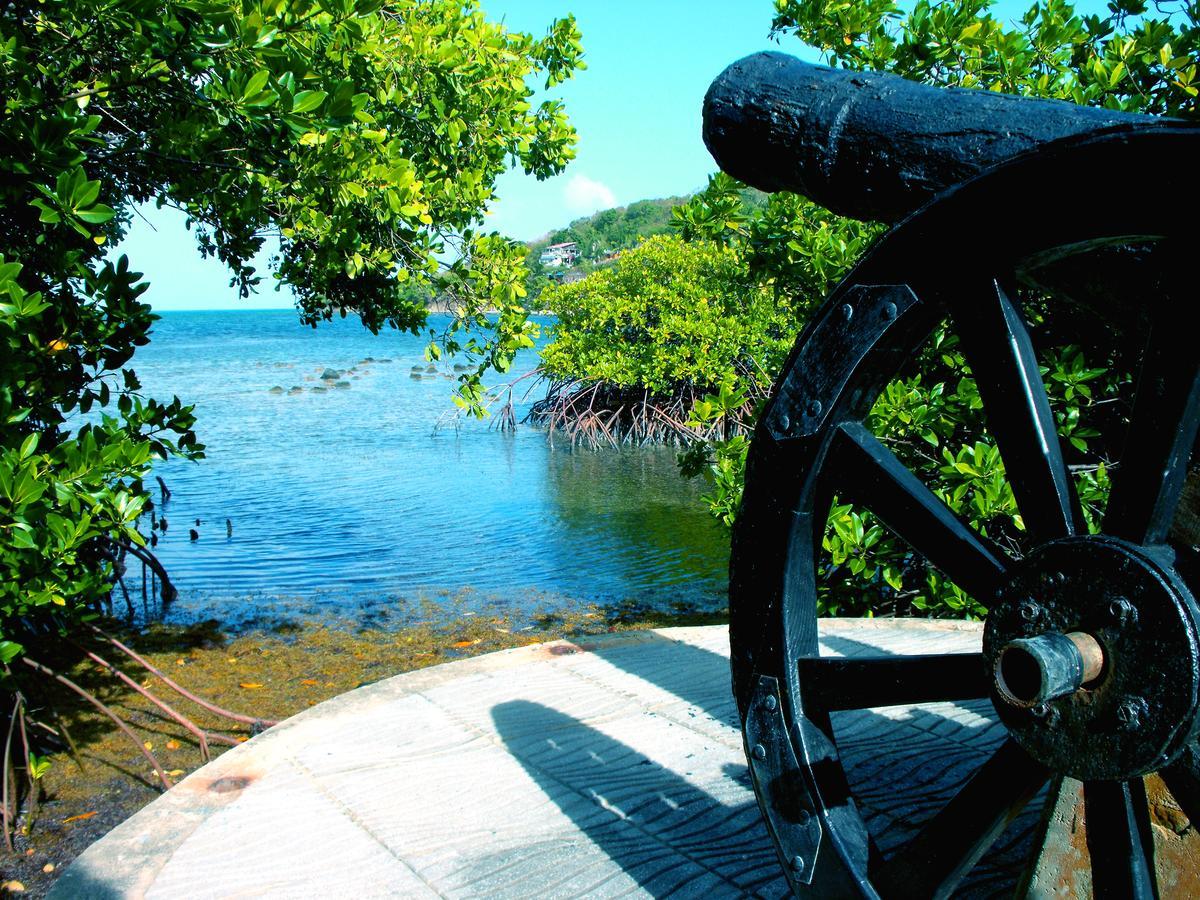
[[1129, 713], [1122, 611], [770, 703], [797, 864], [889, 310], [847, 311], [1029, 611], [814, 408], [759, 752], [785, 423]]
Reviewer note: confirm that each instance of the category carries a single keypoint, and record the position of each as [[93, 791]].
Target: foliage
[[930, 416], [668, 313], [365, 135], [611, 231], [1124, 60]]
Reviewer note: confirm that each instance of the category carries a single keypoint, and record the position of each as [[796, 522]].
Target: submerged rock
[[296, 389], [278, 389], [331, 374], [318, 389], [416, 375], [342, 384]]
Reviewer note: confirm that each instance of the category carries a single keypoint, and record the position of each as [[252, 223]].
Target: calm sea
[[351, 501]]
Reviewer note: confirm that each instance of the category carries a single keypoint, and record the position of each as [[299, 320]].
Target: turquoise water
[[349, 501]]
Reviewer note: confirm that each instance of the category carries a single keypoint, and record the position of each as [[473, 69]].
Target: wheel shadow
[[669, 835]]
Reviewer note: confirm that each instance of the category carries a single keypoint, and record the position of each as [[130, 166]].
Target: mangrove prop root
[[66, 735], [202, 737], [168, 592], [117, 720], [596, 414], [153, 670], [4, 792]]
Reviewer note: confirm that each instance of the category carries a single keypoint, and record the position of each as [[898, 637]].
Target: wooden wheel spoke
[[1166, 411], [870, 475], [1119, 840], [857, 682], [932, 863], [997, 347]]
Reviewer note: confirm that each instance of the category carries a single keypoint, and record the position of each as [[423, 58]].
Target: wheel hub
[[1113, 632]]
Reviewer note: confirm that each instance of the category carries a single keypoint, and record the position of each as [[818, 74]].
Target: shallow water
[[348, 498]]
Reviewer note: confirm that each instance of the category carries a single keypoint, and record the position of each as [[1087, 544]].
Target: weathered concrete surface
[[609, 767]]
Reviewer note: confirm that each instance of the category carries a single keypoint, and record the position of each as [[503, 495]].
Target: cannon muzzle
[[871, 145]]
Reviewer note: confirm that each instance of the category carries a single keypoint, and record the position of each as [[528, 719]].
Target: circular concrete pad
[[611, 766]]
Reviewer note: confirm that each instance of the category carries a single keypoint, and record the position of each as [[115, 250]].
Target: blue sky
[[636, 108]]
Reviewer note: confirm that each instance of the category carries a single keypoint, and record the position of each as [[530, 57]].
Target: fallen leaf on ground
[[81, 816], [310, 681], [147, 745], [14, 887], [175, 773], [48, 868], [458, 645], [172, 744], [250, 685], [180, 662]]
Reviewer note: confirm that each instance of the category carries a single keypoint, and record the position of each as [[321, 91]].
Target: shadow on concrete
[[902, 770], [695, 675], [666, 834], [80, 884]]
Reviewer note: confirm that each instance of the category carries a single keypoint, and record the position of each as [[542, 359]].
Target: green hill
[[609, 231]]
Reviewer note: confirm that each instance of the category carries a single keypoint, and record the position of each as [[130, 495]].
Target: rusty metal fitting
[[1031, 671]]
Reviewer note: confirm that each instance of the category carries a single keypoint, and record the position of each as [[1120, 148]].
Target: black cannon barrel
[[871, 145]]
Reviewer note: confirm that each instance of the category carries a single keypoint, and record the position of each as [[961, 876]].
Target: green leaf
[[9, 650], [306, 101], [97, 214], [256, 83]]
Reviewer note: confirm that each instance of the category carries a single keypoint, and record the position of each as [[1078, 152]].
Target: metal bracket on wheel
[[779, 783]]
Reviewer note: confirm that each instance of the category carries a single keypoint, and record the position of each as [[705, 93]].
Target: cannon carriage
[[1091, 645]]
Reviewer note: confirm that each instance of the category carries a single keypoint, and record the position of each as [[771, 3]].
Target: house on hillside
[[560, 255]]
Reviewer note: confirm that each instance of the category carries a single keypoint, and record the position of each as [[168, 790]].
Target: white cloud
[[583, 196]]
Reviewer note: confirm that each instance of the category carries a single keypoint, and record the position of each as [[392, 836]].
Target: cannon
[[1091, 644]]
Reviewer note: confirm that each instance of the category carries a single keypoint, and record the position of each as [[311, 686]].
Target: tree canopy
[[365, 136], [1132, 59]]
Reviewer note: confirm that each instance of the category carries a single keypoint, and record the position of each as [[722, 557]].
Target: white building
[[560, 255]]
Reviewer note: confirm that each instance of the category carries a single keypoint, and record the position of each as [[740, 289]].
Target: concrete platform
[[611, 767]]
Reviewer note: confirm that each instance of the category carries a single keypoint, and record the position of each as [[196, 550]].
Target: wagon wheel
[[1090, 653]]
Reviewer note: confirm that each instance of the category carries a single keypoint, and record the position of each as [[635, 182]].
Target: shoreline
[[271, 673]]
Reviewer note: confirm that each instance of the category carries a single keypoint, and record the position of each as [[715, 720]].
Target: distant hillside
[[613, 229], [602, 234]]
